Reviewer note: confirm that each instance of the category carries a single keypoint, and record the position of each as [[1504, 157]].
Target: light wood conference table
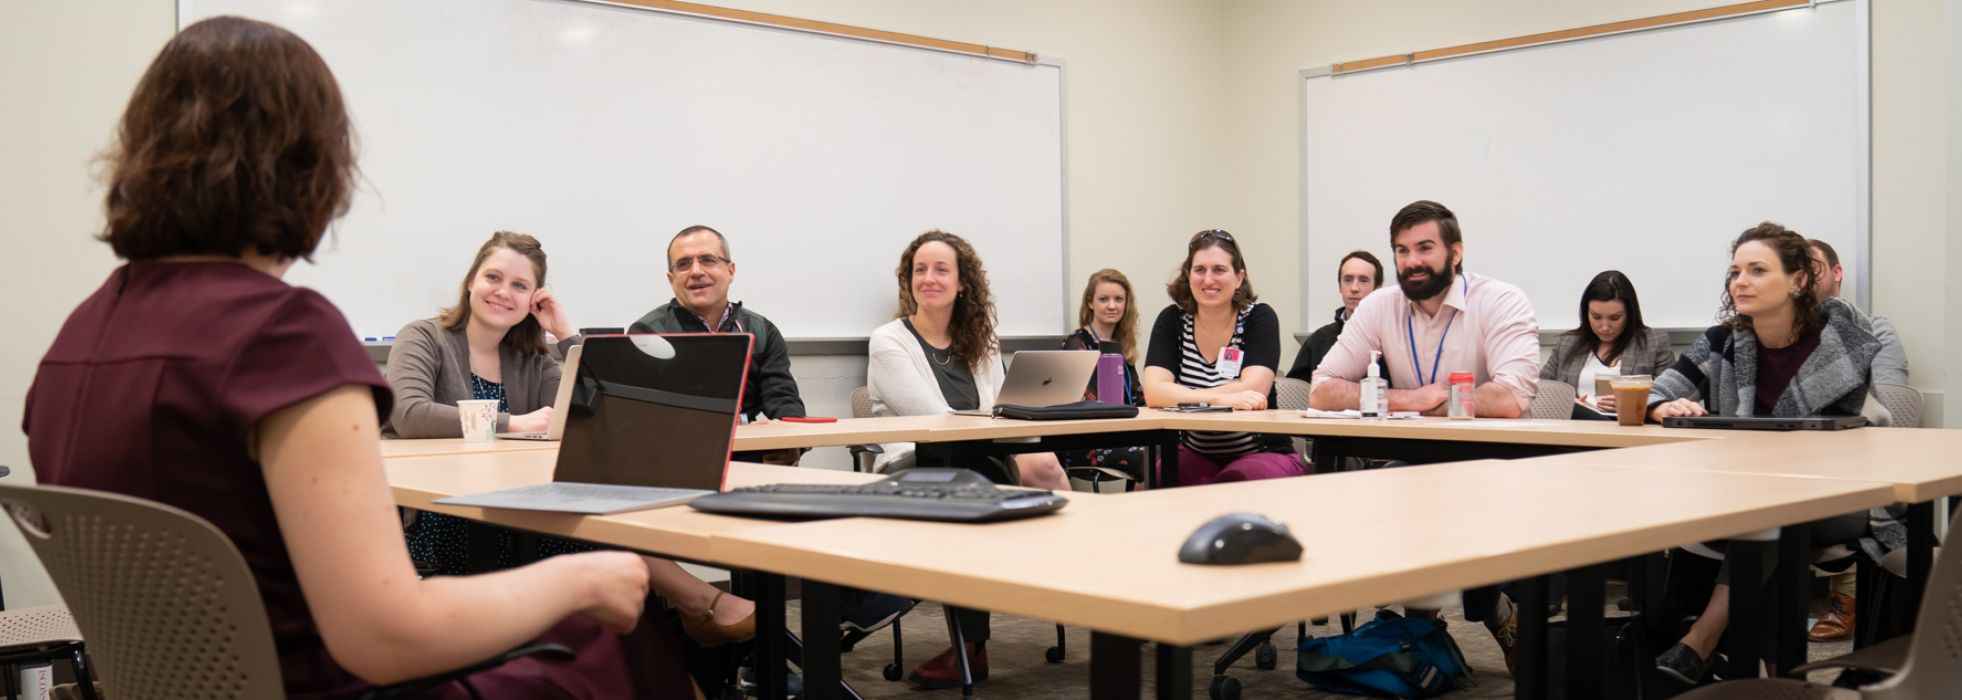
[[1707, 468], [1454, 532]]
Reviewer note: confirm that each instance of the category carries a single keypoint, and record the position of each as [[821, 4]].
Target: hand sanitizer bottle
[[1375, 398]]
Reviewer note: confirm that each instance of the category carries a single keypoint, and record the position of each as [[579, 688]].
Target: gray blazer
[[429, 369], [1647, 353]]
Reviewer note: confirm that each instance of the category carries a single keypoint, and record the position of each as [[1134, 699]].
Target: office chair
[[1931, 667], [42, 633], [863, 455], [166, 601], [1901, 401], [1292, 395], [1555, 401]]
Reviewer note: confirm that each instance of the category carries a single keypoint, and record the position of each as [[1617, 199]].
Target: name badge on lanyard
[[1228, 365]]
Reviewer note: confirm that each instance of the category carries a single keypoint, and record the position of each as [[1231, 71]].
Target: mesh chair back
[[167, 604], [1555, 401], [861, 403], [37, 627], [1901, 401], [1934, 662], [1290, 394]]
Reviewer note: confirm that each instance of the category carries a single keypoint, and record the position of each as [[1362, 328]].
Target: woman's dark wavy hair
[[1611, 285], [1795, 256], [973, 324], [1180, 288], [528, 336], [236, 139]]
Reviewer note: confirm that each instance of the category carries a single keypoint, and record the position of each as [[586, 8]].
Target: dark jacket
[[1317, 347], [769, 390]]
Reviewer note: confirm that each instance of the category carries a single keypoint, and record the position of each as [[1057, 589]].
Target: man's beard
[[1437, 283]]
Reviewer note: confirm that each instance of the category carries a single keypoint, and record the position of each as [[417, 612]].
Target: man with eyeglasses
[[700, 270]]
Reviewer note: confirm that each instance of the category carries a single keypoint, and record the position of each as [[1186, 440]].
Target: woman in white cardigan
[[941, 355]]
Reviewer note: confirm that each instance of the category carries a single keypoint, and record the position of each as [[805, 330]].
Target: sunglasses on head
[[1217, 234]]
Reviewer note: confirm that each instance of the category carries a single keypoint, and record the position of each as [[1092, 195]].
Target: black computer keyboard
[[969, 503]]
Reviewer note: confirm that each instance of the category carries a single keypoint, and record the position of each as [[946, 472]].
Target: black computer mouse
[[1240, 538]]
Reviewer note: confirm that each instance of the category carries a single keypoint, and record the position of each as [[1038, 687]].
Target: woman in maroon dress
[[196, 377]]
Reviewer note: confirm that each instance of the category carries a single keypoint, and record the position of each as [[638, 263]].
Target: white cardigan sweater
[[900, 382]]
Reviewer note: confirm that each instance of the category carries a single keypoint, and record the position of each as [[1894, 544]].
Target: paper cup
[[479, 419]]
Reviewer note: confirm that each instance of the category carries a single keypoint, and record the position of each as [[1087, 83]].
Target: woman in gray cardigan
[[1611, 340], [1780, 352], [491, 346]]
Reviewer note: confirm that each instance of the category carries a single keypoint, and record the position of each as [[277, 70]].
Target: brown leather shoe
[[944, 671], [702, 627], [1837, 623]]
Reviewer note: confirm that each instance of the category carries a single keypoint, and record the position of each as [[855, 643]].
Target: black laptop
[[1764, 423], [650, 424]]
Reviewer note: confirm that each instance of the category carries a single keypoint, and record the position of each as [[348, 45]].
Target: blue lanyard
[[1410, 331]]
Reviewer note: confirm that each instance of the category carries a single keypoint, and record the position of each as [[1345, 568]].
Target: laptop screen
[[654, 410]]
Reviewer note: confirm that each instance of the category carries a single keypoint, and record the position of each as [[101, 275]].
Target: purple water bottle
[[1110, 374]]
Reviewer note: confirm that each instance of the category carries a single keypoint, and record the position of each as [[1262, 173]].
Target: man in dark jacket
[[700, 270], [1357, 275]]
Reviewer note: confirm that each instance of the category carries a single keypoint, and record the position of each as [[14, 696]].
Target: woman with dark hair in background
[[1611, 340]]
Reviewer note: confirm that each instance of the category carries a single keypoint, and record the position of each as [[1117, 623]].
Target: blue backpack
[[1390, 656]]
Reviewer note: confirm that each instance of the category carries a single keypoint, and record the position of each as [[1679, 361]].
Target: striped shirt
[[1174, 347]]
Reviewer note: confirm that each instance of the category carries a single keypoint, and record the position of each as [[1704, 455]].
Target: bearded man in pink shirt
[[1439, 319]]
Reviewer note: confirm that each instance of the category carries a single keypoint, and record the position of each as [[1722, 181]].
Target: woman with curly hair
[[941, 355], [1780, 351]]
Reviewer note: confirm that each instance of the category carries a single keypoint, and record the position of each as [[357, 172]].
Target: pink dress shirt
[[1485, 327]]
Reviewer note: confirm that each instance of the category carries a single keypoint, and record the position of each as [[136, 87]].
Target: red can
[[1464, 396]]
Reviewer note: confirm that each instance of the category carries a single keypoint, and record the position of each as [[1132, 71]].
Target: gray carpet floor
[[1017, 668]]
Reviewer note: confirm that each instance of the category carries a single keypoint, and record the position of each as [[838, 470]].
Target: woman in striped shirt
[[1215, 345]]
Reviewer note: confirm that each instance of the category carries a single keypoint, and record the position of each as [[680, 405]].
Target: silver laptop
[[1045, 378], [649, 423], [1764, 422], [556, 429]]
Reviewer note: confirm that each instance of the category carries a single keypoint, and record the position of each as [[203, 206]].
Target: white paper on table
[[1353, 414]]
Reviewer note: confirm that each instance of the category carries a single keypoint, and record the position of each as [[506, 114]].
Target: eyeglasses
[[708, 262]]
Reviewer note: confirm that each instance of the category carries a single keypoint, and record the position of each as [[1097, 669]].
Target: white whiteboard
[[603, 130], [1645, 152]]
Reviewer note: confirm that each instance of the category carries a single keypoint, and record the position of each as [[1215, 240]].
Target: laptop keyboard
[[883, 499]]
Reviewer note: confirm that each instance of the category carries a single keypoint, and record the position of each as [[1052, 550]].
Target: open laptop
[[1044, 378], [650, 424], [1764, 422], [556, 429]]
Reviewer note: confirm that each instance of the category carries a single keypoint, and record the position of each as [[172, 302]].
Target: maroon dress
[[153, 388]]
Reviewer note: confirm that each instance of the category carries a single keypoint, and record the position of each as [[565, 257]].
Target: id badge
[[1229, 362]]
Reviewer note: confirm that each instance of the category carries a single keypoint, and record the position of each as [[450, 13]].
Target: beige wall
[[66, 69], [1272, 39]]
